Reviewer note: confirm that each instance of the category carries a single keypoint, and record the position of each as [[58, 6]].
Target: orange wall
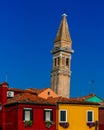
[[45, 94]]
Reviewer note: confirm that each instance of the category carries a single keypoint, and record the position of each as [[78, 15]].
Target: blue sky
[[27, 32]]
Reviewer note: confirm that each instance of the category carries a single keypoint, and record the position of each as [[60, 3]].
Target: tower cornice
[[62, 49]]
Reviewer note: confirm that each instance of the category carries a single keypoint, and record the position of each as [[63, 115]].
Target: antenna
[[64, 14], [91, 84], [64, 11], [6, 77]]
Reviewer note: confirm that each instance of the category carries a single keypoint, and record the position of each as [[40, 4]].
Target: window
[[67, 61], [27, 114], [55, 62], [48, 115], [48, 93], [90, 116], [58, 60], [63, 116]]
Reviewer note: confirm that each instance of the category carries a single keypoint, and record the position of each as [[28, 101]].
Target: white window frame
[[60, 115], [48, 110], [27, 110], [92, 115]]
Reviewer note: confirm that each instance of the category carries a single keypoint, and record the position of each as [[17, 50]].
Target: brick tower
[[60, 80]]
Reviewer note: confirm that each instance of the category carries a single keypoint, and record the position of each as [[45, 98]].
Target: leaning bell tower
[[60, 75]]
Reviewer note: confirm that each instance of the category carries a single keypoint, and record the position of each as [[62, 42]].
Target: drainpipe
[[17, 116], [0, 116], [96, 125], [57, 116]]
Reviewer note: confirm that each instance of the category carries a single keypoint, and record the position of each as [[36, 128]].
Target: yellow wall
[[77, 116]]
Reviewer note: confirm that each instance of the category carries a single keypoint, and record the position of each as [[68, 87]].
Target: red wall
[[3, 100], [3, 93], [11, 118], [14, 117], [101, 118]]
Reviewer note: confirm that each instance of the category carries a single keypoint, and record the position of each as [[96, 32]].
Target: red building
[[101, 117], [24, 110]]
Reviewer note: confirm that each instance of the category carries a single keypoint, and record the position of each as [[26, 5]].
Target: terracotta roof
[[88, 96], [16, 89], [83, 98], [27, 98], [31, 90], [35, 90], [101, 105], [30, 98], [69, 100], [21, 90], [57, 99]]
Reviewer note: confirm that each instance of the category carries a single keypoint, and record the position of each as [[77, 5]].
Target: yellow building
[[76, 114]]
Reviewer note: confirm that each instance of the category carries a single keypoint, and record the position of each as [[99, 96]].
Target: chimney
[[3, 92]]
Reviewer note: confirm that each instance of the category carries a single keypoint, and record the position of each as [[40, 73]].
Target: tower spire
[[60, 80], [63, 31]]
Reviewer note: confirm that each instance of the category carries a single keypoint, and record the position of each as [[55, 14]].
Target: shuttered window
[[27, 114], [48, 115]]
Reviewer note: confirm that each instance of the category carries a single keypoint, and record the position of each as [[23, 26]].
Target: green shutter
[[51, 115], [23, 114], [44, 115], [31, 114]]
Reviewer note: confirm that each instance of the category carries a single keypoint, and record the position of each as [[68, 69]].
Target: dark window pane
[[67, 61], [48, 93], [58, 61], [89, 116], [63, 115], [55, 62]]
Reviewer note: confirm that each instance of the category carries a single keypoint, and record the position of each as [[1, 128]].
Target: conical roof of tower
[[63, 31]]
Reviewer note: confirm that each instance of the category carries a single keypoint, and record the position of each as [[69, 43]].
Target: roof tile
[[27, 98]]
